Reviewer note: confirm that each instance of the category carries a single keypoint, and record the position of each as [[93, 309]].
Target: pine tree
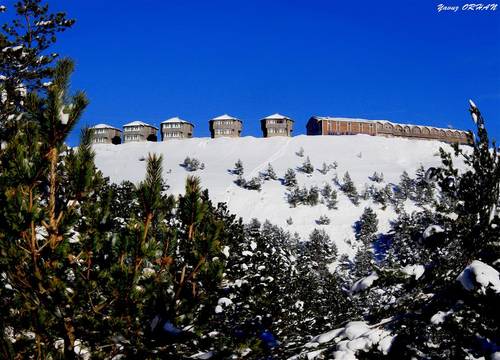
[[26, 62], [38, 213], [290, 178], [307, 167], [349, 188], [254, 184], [366, 229], [238, 168], [406, 187], [269, 173], [300, 153], [424, 190]]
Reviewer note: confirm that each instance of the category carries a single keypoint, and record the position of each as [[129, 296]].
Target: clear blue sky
[[397, 60]]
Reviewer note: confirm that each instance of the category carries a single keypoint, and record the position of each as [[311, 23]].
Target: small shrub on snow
[[192, 164], [323, 220], [307, 167]]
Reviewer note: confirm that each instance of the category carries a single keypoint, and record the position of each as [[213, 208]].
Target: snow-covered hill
[[361, 155]]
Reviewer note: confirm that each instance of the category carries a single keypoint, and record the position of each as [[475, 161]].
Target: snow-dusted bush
[[192, 164], [306, 166], [323, 220]]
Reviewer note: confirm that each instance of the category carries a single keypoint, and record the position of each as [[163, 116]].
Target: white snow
[[355, 336], [481, 275], [364, 283], [224, 301], [390, 156], [104, 126], [225, 117], [175, 119], [414, 270], [276, 116], [431, 230], [139, 123], [440, 316]]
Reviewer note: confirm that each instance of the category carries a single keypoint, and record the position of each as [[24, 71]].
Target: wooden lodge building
[[176, 128], [276, 125], [318, 125], [139, 131], [106, 134], [225, 126]]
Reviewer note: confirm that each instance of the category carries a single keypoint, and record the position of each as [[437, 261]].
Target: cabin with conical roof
[[276, 125], [225, 126], [176, 128]]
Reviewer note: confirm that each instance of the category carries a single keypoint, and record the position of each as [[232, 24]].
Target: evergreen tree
[[38, 214], [424, 190], [300, 153], [406, 187], [238, 168], [329, 197], [349, 188], [307, 167], [376, 177], [269, 173], [254, 184], [26, 62], [366, 229], [290, 178]]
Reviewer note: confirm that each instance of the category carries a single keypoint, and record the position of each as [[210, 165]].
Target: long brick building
[[319, 125]]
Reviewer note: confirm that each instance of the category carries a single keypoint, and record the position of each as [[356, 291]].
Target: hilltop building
[[106, 134], [139, 131], [276, 125], [225, 126], [318, 125], [176, 128]]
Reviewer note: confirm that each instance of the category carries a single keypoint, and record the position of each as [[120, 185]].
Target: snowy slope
[[361, 155]]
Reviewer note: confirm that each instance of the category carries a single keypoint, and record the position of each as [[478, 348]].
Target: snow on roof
[[104, 126], [139, 123], [176, 119], [226, 117], [325, 118], [276, 116]]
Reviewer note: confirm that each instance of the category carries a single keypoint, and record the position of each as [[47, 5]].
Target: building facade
[[139, 131], [318, 125], [225, 126], [176, 128], [276, 125], [106, 134]]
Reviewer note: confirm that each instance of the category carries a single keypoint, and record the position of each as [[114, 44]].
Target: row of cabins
[[276, 125]]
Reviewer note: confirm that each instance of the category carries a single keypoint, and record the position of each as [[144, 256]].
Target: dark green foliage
[[253, 184], [297, 196], [238, 168], [269, 173], [290, 178], [323, 220], [349, 188], [307, 167], [192, 164], [329, 197]]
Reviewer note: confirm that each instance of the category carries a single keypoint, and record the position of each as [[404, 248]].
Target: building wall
[[338, 127], [171, 131], [105, 135], [273, 127], [225, 128], [137, 133]]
